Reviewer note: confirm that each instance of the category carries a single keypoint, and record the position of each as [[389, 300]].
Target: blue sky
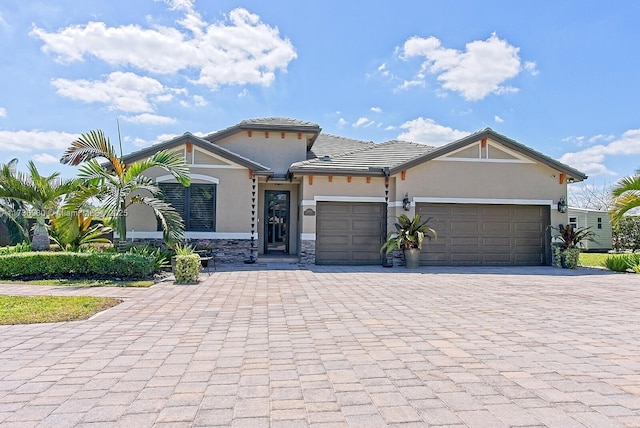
[[560, 77]]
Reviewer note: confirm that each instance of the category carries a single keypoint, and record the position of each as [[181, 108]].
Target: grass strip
[[43, 309]]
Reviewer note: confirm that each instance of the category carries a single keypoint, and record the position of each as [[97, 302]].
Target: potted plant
[[567, 250], [409, 236]]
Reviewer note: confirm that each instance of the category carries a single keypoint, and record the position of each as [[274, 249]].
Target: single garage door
[[349, 233], [474, 234]]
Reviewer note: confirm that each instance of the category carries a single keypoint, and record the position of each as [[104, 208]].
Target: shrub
[[187, 269], [52, 264], [19, 248], [617, 263], [161, 257]]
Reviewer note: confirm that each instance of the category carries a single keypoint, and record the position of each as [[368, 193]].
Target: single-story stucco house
[[600, 224], [279, 186]]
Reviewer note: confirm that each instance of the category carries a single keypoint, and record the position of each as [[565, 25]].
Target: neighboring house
[[599, 223], [279, 186]]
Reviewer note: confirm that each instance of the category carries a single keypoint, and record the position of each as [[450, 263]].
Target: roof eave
[[571, 172]]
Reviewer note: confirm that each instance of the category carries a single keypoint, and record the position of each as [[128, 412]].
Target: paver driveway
[[337, 347]]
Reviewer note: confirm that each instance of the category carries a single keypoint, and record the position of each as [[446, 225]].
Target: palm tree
[[41, 193], [626, 196], [118, 185], [10, 209]]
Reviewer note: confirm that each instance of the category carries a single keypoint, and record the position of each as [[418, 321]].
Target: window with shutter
[[196, 204]]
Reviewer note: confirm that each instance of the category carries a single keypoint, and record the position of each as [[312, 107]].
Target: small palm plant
[[571, 237], [409, 233], [567, 253]]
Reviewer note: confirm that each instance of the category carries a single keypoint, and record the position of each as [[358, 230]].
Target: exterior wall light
[[562, 205], [406, 204]]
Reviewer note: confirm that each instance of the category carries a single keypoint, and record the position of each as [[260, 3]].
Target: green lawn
[[41, 309], [82, 282], [592, 259]]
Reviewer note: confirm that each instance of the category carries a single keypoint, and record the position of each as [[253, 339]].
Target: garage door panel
[[503, 241], [505, 234], [334, 240], [332, 209], [528, 227], [468, 241], [497, 226], [349, 232], [334, 224], [367, 226], [464, 210], [463, 226], [466, 258]]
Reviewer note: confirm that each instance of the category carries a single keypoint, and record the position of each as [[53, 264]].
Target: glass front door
[[276, 222]]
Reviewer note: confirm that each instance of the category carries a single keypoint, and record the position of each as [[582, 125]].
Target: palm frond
[[90, 146], [170, 219]]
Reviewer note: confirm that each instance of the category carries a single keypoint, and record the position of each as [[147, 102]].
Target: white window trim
[[316, 199], [418, 199], [171, 178]]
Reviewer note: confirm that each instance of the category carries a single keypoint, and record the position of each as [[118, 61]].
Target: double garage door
[[475, 234], [351, 233]]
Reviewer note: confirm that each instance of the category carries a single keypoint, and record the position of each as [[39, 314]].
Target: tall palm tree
[[118, 185], [41, 193], [626, 196]]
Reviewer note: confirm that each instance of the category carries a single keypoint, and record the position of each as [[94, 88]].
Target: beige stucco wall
[[475, 181], [274, 152], [233, 200], [339, 188]]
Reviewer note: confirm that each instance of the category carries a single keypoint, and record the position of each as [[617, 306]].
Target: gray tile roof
[[277, 122], [327, 144], [369, 159]]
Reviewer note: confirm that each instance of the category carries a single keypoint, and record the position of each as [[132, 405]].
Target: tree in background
[[40, 194], [118, 185]]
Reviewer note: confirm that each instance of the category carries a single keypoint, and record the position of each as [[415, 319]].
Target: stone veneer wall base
[[307, 252], [224, 250]]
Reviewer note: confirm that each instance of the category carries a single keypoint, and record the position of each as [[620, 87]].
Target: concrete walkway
[[337, 347]]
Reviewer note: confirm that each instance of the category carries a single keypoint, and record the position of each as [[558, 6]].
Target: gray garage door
[[349, 233], [476, 234]]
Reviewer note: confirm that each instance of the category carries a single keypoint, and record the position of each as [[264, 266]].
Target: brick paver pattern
[[337, 347]]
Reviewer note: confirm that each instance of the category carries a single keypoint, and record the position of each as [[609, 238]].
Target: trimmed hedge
[[187, 269], [53, 264]]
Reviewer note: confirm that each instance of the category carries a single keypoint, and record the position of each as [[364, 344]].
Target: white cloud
[[427, 131], [376, 109], [27, 141], [591, 160], [390, 128], [3, 112], [363, 122], [383, 70], [45, 158], [530, 66], [475, 73], [121, 91], [2, 21], [150, 119], [341, 122], [498, 119], [199, 101], [239, 50]]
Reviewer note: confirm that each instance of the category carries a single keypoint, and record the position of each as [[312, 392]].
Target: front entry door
[[276, 223]]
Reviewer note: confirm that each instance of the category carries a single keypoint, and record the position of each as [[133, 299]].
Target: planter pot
[[412, 258]]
